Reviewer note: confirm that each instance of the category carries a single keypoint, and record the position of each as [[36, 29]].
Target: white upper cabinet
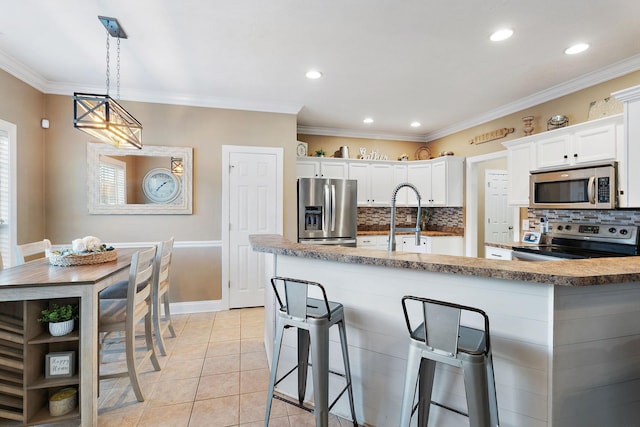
[[520, 160], [628, 170], [309, 167], [375, 182], [584, 143], [439, 181]]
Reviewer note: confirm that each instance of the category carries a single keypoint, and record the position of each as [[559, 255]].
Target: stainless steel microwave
[[577, 188]]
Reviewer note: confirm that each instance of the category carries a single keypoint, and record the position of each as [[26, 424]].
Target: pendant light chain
[[108, 71], [118, 71]]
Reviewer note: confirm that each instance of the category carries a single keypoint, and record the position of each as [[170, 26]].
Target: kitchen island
[[565, 335]]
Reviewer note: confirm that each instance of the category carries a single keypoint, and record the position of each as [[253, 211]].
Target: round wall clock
[[160, 185]]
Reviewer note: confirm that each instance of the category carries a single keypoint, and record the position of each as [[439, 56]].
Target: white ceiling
[[395, 61]]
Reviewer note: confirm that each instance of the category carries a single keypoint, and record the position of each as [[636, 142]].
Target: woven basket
[[83, 259]]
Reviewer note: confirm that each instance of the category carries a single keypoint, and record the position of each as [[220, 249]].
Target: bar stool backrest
[[297, 303], [440, 327]]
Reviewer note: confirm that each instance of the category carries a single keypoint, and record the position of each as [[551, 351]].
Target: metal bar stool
[[441, 339], [312, 317]]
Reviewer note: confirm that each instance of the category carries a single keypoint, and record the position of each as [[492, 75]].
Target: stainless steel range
[[579, 241]]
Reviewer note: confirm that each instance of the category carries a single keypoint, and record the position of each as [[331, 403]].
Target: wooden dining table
[[38, 280]]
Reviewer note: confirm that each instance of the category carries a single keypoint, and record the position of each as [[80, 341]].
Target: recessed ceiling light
[[313, 74], [415, 124], [368, 120], [500, 35], [576, 48]]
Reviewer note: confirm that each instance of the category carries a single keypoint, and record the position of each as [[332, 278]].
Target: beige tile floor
[[214, 374]]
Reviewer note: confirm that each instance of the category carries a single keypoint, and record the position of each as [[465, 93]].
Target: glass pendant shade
[[102, 117]]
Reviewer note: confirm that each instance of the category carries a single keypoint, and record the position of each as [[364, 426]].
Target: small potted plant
[[61, 318], [320, 153]]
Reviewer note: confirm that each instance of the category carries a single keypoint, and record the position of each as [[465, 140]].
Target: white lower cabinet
[[491, 252], [409, 245], [375, 242], [446, 245]]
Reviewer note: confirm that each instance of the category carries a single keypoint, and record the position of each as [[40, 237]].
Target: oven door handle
[[591, 190], [527, 256]]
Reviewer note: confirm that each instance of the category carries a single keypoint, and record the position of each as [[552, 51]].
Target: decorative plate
[[301, 149], [423, 153]]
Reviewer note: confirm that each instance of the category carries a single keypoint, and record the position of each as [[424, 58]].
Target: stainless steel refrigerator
[[327, 211]]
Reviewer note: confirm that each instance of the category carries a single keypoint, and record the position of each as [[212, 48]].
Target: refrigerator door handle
[[333, 208], [326, 214]]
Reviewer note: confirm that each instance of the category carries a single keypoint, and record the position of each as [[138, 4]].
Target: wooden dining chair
[[161, 294], [30, 249], [117, 315]]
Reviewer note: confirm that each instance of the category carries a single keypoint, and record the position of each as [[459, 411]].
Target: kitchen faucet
[[392, 231]]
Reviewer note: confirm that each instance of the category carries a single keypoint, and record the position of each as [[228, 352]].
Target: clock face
[[160, 185]]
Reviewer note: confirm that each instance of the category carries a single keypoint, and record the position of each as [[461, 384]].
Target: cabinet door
[[308, 168], [400, 177], [447, 245], [595, 144], [381, 184], [409, 245], [360, 172], [438, 184], [519, 164], [337, 169], [554, 151], [491, 252], [420, 176]]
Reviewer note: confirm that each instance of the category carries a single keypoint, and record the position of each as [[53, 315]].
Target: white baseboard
[[196, 307]]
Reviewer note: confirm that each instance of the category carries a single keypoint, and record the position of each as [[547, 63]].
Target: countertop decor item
[[85, 251], [423, 153], [320, 153], [63, 401], [527, 127], [302, 149], [491, 136], [557, 121]]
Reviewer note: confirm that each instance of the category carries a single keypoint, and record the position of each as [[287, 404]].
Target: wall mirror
[[154, 180]]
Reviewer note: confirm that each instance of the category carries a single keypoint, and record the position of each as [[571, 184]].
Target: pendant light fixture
[[100, 115]]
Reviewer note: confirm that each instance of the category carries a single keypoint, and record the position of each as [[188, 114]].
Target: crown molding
[[612, 71], [628, 94], [22, 72], [350, 133]]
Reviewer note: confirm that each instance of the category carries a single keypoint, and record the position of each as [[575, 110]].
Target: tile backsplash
[[618, 216], [374, 219]]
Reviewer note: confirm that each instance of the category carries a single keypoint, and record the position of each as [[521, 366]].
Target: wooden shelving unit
[[24, 344]]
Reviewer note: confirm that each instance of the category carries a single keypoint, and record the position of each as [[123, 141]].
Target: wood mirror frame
[[180, 205]]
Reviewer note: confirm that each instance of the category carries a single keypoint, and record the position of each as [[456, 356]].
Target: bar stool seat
[[312, 317], [441, 339]]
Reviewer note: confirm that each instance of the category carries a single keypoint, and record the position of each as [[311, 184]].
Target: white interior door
[[498, 216], [254, 207]]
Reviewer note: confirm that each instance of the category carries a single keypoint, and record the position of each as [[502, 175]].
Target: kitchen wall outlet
[[525, 224], [408, 217]]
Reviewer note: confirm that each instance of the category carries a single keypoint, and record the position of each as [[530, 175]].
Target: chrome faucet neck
[[392, 230]]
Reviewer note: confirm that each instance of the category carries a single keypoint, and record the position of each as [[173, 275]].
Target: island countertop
[[584, 272]]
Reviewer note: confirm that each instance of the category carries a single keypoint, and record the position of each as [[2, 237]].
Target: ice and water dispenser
[[313, 217]]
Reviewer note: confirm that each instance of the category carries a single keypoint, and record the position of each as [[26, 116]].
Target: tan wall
[[575, 106], [204, 129], [52, 176], [23, 106], [331, 144]]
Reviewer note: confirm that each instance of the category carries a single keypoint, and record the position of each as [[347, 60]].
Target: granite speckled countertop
[[583, 272], [428, 233]]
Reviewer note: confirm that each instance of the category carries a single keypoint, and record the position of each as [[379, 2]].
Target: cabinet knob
[[565, 156], [575, 155]]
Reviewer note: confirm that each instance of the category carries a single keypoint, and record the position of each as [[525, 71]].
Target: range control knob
[[560, 228], [624, 231], [568, 227], [612, 230]]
